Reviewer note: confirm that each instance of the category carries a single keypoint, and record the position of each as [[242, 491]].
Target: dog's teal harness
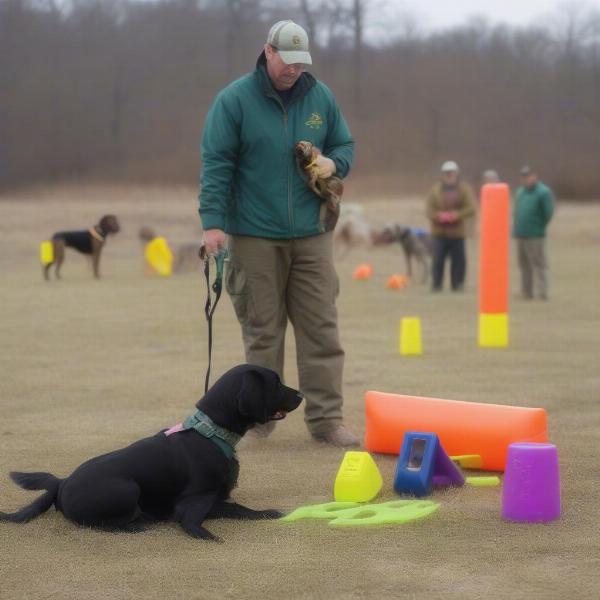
[[223, 438]]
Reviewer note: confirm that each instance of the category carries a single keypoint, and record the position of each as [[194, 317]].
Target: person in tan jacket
[[449, 204]]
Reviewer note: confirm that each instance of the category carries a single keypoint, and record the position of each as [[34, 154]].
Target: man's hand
[[325, 166], [214, 240]]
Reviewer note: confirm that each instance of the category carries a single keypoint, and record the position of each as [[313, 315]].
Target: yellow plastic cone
[[358, 479], [410, 336]]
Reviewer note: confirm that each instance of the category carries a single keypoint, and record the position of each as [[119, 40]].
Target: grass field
[[89, 366]]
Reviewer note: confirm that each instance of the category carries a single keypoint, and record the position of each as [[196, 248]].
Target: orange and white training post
[[493, 266]]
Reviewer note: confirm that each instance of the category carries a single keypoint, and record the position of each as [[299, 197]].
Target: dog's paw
[[200, 533]]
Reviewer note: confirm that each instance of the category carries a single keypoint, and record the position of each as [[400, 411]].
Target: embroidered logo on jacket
[[315, 121]]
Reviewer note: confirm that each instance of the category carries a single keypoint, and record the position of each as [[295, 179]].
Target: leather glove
[[325, 167]]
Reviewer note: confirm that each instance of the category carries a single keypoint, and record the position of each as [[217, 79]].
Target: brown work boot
[[262, 430], [337, 436]]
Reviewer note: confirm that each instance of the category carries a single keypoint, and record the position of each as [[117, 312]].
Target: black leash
[[210, 306]]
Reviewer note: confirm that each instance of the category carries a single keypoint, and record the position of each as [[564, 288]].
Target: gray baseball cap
[[448, 166], [291, 41]]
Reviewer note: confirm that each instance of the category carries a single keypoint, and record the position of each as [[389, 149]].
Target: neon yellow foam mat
[[351, 514]]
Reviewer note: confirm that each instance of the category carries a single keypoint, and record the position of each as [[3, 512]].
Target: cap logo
[[296, 40]]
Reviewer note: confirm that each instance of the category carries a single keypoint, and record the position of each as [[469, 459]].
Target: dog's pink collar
[[175, 429]]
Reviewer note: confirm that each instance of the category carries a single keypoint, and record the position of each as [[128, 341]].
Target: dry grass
[[89, 366]]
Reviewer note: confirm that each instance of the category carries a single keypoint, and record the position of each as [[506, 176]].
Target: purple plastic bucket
[[531, 487]]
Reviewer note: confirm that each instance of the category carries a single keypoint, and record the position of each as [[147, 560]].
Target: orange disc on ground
[[395, 282], [363, 271]]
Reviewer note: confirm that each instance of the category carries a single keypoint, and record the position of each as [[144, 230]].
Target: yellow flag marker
[[159, 256], [358, 479], [46, 253]]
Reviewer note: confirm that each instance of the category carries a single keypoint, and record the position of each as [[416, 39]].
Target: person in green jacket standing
[[254, 198], [534, 207]]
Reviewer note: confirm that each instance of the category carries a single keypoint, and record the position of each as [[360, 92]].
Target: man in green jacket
[[534, 206], [449, 204], [281, 257]]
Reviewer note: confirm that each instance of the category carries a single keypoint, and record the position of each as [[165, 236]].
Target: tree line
[[118, 90]]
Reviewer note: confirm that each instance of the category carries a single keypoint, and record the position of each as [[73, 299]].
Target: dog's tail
[[33, 481]]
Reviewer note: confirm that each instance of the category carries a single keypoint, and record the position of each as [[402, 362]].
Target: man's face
[[282, 76], [450, 177], [529, 180]]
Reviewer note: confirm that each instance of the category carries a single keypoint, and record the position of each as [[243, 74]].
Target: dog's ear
[[251, 396]]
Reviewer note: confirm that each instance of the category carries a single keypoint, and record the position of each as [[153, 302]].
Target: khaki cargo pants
[[534, 266], [271, 281]]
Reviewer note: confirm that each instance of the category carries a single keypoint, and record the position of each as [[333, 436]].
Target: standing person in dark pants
[[449, 204], [281, 251], [534, 207]]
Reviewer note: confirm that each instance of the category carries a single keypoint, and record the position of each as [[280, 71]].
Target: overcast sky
[[440, 14]]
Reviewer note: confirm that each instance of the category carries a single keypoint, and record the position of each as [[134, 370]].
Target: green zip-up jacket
[[250, 183], [532, 211]]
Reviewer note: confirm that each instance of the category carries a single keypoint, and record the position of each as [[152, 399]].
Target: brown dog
[[329, 189], [86, 241]]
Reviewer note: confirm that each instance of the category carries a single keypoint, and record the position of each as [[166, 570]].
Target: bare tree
[[358, 25], [112, 88]]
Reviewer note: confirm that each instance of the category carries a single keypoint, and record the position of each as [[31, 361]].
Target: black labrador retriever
[[184, 474]]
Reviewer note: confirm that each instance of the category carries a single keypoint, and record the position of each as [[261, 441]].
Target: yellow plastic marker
[[490, 481], [159, 256], [358, 479], [410, 336], [467, 461], [46, 253], [493, 330]]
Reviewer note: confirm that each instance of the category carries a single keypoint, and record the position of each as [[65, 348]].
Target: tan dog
[[329, 189], [353, 231]]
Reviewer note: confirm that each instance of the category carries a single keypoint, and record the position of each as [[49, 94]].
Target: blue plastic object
[[422, 463]]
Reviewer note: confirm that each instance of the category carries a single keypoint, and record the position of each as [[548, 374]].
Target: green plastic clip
[[329, 510], [395, 512], [351, 514]]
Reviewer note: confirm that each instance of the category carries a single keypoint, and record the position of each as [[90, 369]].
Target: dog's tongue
[[280, 414]]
